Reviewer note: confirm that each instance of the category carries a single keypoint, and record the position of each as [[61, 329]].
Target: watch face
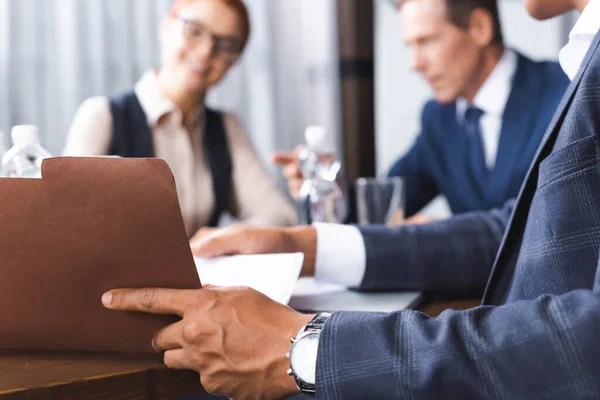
[[303, 357]]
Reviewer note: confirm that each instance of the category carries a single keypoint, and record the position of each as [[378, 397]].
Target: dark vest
[[132, 137]]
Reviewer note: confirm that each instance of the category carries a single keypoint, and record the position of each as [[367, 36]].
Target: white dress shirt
[[580, 39], [341, 254], [491, 99]]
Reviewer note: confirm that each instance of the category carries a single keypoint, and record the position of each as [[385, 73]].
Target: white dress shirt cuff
[[341, 255]]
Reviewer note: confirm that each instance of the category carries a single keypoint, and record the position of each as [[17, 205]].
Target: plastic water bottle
[[24, 159], [321, 198]]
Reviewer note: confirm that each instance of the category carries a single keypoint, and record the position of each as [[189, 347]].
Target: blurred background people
[[215, 166], [491, 108], [289, 77]]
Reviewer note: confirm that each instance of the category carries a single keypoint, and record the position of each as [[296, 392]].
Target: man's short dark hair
[[459, 12]]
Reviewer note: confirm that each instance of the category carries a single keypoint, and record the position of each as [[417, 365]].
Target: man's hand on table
[[236, 338]]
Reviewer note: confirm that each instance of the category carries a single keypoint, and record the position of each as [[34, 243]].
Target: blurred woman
[[215, 166]]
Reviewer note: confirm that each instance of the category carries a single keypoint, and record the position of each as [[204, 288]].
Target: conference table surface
[[91, 376]]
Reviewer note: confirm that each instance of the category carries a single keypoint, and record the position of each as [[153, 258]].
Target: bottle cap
[[315, 137], [24, 135]]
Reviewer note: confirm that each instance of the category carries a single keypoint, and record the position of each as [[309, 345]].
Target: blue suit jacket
[[438, 161], [536, 336]]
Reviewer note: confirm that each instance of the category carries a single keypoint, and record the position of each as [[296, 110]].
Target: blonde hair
[[236, 5]]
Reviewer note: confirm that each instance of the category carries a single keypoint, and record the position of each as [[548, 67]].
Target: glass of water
[[379, 199]]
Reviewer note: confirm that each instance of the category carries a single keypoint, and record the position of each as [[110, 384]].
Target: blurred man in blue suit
[[492, 106], [534, 337]]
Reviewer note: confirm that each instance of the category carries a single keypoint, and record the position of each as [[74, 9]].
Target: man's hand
[[236, 338], [241, 239], [202, 233], [419, 219], [288, 160]]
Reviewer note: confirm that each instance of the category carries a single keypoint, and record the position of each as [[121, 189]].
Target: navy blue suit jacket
[[438, 162], [537, 334]]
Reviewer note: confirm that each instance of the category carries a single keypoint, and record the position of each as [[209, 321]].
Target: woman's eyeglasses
[[226, 47]]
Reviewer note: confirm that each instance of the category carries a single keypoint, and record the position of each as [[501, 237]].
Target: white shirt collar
[[493, 94], [580, 39]]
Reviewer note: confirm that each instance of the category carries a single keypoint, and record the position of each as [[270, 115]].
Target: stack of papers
[[274, 275]]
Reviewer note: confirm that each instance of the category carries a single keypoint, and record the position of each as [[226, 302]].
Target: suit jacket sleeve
[[544, 348], [453, 256]]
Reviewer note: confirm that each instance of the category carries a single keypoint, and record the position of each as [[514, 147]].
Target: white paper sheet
[[274, 275]]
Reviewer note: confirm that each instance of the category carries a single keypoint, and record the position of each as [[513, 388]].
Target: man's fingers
[[151, 300], [283, 158], [202, 233], [292, 171], [169, 338], [294, 188], [217, 245], [177, 359]]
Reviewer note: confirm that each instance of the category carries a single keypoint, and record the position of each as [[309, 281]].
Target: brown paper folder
[[89, 225]]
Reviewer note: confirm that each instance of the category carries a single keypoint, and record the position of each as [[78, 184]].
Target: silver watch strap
[[315, 324], [318, 321]]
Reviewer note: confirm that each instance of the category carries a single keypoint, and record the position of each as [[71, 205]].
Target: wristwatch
[[303, 355]]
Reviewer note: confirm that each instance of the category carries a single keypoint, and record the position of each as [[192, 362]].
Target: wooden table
[[83, 376]]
